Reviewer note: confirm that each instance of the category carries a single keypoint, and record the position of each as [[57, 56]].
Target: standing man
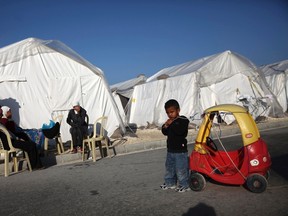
[[79, 128]]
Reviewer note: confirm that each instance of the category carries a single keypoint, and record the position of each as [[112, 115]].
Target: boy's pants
[[177, 169]]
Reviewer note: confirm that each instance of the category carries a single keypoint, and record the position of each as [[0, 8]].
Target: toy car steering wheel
[[210, 143]]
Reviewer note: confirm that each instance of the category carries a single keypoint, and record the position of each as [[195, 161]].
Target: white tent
[[221, 78], [276, 75], [40, 78], [122, 93]]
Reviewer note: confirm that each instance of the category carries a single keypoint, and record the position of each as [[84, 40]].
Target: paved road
[[129, 185]]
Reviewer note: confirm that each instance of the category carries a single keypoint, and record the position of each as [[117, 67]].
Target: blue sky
[[126, 38]]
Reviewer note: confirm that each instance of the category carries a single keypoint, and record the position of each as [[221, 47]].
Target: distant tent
[[123, 91], [276, 75], [217, 79], [41, 78]]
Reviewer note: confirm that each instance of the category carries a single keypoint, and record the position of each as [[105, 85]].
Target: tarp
[[217, 79], [276, 75], [42, 78]]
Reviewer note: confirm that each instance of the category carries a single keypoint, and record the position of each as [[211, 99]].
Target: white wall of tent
[[276, 75]]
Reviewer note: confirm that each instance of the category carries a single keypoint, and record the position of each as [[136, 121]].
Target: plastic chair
[[14, 152], [99, 136], [54, 133]]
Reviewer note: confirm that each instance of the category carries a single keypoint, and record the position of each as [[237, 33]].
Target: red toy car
[[247, 164]]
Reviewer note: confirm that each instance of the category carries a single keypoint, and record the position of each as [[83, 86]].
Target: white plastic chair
[[58, 140], [99, 130], [13, 151]]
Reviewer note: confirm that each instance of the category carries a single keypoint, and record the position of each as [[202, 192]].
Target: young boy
[[176, 130]]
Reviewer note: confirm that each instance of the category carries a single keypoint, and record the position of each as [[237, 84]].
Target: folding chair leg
[[6, 161], [28, 161], [46, 146], [93, 151], [89, 149], [83, 151], [15, 163], [61, 144], [58, 148]]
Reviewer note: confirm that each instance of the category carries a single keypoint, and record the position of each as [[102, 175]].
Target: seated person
[[24, 134], [79, 128], [28, 146]]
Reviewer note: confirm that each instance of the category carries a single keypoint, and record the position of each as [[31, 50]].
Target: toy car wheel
[[267, 175], [197, 182], [256, 183]]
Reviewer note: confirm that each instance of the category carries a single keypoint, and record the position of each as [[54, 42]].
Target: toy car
[[247, 165]]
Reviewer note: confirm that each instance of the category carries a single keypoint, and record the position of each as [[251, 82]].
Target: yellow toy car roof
[[233, 108], [247, 125]]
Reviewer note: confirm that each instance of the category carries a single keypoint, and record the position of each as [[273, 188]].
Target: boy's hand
[[168, 122]]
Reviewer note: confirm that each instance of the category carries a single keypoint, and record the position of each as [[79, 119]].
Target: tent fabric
[[197, 85], [42, 78], [147, 103], [276, 75], [126, 88], [123, 91]]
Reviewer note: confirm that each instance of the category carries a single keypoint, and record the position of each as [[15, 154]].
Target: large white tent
[[226, 77], [276, 75], [42, 78]]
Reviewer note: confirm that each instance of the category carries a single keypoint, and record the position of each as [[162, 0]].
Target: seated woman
[[28, 146], [24, 134]]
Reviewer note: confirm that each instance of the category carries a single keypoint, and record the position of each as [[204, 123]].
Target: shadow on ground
[[279, 165], [201, 209]]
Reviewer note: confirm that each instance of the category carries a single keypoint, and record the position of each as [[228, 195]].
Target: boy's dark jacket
[[176, 134]]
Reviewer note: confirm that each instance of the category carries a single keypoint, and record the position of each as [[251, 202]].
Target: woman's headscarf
[[5, 109]]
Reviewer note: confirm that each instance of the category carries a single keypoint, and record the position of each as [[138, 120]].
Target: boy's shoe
[[165, 187], [182, 189]]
